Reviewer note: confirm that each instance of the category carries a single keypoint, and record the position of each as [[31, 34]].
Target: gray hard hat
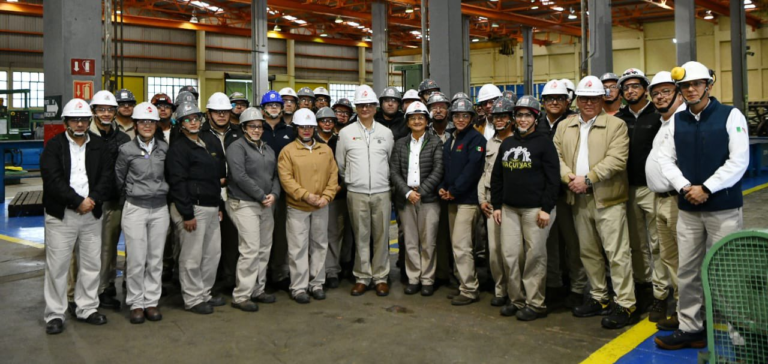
[[460, 95], [503, 105], [390, 93], [185, 96], [191, 89], [125, 95], [306, 91], [238, 96], [529, 102], [511, 95], [325, 112], [437, 97], [462, 105], [428, 84], [251, 114], [609, 76], [342, 102], [186, 109]]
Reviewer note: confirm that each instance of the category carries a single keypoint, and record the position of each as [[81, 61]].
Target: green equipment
[[17, 120], [735, 280], [412, 76]]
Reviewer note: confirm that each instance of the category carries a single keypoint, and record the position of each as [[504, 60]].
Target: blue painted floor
[[648, 353]]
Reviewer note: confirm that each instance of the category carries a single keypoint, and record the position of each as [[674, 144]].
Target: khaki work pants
[[255, 225], [666, 225], [340, 238], [370, 219], [563, 238], [644, 240], [307, 247], [522, 239], [420, 223], [461, 219]]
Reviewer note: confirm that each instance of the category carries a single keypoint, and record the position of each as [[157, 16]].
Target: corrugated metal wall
[[21, 51], [159, 51]]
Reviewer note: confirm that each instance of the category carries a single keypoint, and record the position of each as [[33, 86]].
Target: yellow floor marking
[[618, 347]]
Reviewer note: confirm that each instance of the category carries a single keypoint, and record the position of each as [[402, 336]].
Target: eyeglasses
[[79, 120], [663, 92], [486, 102], [549, 99], [462, 116], [253, 127], [323, 98], [146, 122], [611, 87], [220, 112], [634, 86], [366, 106], [523, 115], [305, 99], [438, 108], [694, 83], [305, 127], [389, 99], [272, 104], [191, 120], [105, 109], [326, 121], [165, 107], [343, 113], [289, 102], [589, 100], [126, 104]]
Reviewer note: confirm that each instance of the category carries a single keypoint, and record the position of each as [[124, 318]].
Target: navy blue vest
[[702, 148]]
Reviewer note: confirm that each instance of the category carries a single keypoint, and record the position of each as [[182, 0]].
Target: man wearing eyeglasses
[[486, 97], [554, 97], [593, 149], [612, 102], [165, 129], [708, 178], [651, 278], [343, 109], [126, 102]]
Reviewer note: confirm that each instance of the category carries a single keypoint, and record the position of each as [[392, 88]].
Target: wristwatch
[[588, 181], [682, 190]]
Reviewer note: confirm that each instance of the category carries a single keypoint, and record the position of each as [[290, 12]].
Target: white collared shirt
[[414, 177], [490, 129], [637, 115], [657, 181], [582, 161], [730, 172], [146, 147], [78, 178]]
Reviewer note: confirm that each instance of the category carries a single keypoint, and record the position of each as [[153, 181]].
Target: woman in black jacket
[[416, 169], [524, 186]]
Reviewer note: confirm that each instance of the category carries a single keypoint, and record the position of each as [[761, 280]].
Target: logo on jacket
[[285, 137], [520, 158], [460, 147]]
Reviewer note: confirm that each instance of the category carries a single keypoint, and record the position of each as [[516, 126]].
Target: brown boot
[[153, 314], [137, 316]]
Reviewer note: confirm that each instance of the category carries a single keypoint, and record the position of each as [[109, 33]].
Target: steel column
[[379, 41], [259, 51], [528, 60], [446, 50], [424, 39], [290, 48], [739, 55], [467, 60], [685, 30], [600, 37]]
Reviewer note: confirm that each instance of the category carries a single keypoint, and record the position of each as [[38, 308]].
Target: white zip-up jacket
[[363, 157]]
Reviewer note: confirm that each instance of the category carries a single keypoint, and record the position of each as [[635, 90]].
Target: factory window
[[32, 81], [3, 86], [169, 85], [342, 91]]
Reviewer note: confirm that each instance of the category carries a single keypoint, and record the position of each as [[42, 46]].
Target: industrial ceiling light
[[709, 15], [534, 7], [352, 24], [338, 20], [366, 39], [494, 25], [277, 28], [572, 15], [409, 9], [475, 40], [323, 35], [557, 8], [13, 1]]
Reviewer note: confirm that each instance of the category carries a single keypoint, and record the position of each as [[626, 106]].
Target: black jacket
[[113, 140], [430, 169], [55, 165], [233, 133], [463, 163], [194, 173], [526, 173], [342, 193], [175, 133], [543, 127], [397, 125], [278, 137], [641, 131]]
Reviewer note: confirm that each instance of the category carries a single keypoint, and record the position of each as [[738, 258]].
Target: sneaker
[[592, 308], [620, 317], [318, 294], [574, 300], [658, 310], [202, 308], [528, 314], [264, 298], [499, 301], [301, 297], [332, 282], [668, 323], [462, 300], [217, 301], [247, 306], [509, 310], [679, 340]]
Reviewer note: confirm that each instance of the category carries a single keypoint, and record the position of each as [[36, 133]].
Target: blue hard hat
[[270, 97]]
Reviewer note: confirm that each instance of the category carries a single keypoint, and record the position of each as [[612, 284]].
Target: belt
[[666, 194]]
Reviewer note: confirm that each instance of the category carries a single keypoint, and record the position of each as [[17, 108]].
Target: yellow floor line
[[35, 245], [755, 189], [618, 347]]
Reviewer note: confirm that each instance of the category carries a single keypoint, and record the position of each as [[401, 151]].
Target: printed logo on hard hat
[[589, 83], [272, 96], [125, 95], [79, 105], [108, 97], [461, 103], [365, 93], [306, 117], [149, 109], [187, 107], [554, 84]]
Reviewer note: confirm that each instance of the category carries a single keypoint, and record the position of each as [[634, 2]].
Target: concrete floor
[[341, 329]]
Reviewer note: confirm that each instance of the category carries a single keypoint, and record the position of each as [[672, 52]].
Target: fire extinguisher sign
[[83, 89], [82, 67]]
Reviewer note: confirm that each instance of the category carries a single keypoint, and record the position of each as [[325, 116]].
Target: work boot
[[528, 314], [202, 308], [55, 326], [106, 301], [592, 308], [302, 297], [217, 301], [453, 293], [644, 296], [137, 316], [264, 298], [332, 282], [658, 310], [620, 317], [247, 306], [111, 291], [411, 289], [462, 300], [679, 340], [509, 310], [499, 301], [427, 290], [318, 294], [668, 324]]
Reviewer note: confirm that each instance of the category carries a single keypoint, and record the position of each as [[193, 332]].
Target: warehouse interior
[[252, 46]]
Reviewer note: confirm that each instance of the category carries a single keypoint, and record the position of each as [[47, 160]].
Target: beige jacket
[[484, 185], [303, 171], [608, 153]]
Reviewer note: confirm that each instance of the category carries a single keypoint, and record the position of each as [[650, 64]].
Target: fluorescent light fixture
[[299, 21], [289, 17], [409, 9], [482, 18], [415, 32], [572, 16], [534, 7], [557, 8], [352, 24], [13, 1], [324, 35], [749, 6], [708, 16], [494, 25], [475, 40], [338, 20]]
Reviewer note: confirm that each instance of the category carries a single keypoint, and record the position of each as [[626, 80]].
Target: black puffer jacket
[[430, 169], [194, 173]]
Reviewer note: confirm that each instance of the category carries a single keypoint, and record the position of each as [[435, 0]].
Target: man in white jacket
[[363, 153]]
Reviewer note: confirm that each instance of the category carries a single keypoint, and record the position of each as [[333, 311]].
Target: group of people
[[624, 191]]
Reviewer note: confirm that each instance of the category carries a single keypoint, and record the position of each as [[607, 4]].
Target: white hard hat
[[219, 101], [633, 73], [321, 91], [590, 86], [416, 107], [364, 95], [304, 117], [661, 77], [287, 91], [488, 92], [76, 108], [568, 84], [103, 97], [691, 71], [554, 87], [411, 95], [145, 111]]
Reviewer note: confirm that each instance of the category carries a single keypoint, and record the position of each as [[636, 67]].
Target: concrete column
[[600, 37], [467, 62], [685, 30], [259, 51], [379, 40], [290, 50], [200, 53], [528, 60], [739, 55], [446, 48], [361, 64]]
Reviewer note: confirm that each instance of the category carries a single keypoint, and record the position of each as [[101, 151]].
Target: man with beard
[[389, 113], [643, 123], [239, 104], [611, 102], [486, 98], [125, 104], [290, 103]]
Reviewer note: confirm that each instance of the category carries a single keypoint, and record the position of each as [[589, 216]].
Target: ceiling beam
[[723, 10], [530, 21]]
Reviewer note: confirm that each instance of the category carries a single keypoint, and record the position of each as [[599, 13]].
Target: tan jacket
[[303, 171], [608, 153], [484, 185]]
